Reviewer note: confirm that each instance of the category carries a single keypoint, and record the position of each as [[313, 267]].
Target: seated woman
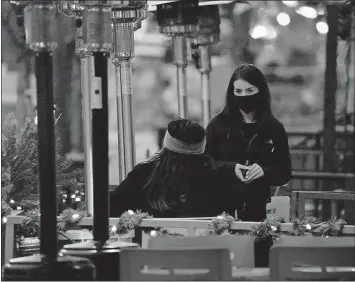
[[181, 181]]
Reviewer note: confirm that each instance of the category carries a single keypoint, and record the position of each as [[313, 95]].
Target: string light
[[114, 229], [259, 31], [283, 19], [322, 27], [12, 201], [264, 29], [307, 12], [291, 4], [4, 219], [77, 199], [75, 216]]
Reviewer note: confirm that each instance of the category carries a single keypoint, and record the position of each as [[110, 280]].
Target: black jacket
[[206, 196], [268, 148]]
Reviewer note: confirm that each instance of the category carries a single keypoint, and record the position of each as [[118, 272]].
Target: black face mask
[[247, 103]]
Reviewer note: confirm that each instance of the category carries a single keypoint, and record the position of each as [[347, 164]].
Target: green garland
[[69, 219], [221, 225], [129, 220], [30, 226], [164, 233], [266, 229]]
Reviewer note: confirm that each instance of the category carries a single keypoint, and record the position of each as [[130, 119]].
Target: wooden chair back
[[241, 248], [298, 203], [175, 265], [313, 258]]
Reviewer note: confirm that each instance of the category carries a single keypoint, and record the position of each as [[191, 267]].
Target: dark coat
[[268, 148], [204, 198]]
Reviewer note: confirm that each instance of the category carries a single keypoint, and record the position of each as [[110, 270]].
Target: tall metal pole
[[179, 20], [180, 61], [330, 97], [85, 82], [41, 38], [75, 8], [208, 22], [121, 140], [97, 40], [351, 97], [126, 18], [120, 126]]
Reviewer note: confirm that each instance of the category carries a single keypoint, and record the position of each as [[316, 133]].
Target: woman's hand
[[255, 171], [239, 171]]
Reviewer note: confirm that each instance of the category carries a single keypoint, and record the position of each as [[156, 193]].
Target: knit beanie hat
[[185, 137]]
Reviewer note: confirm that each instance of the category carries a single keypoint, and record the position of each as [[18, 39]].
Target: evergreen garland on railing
[[220, 225], [69, 218], [129, 220]]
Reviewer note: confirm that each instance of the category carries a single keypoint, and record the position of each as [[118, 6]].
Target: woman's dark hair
[[254, 76], [173, 172]]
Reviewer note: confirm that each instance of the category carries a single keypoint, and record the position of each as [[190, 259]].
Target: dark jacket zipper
[[249, 144]]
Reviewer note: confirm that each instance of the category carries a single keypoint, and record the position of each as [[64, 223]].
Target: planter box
[[261, 252]]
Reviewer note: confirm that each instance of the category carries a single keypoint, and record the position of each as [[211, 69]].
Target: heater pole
[[100, 148], [126, 18], [208, 34], [85, 64], [128, 125], [206, 98], [46, 154], [41, 38], [179, 21], [98, 41], [205, 70], [180, 61], [85, 83], [329, 122]]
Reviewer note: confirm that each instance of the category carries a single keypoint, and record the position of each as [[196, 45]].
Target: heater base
[[104, 256], [38, 268]]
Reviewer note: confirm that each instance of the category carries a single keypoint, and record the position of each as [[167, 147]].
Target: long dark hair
[[173, 172], [254, 76]]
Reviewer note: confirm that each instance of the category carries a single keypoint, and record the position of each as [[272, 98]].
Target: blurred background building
[[285, 39]]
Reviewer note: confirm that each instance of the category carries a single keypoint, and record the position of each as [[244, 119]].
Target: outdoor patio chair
[[313, 258], [210, 264], [280, 207], [241, 247]]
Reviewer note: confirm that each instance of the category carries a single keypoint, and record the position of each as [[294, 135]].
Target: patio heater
[[40, 29], [126, 17], [75, 9], [208, 34], [97, 41], [208, 21], [178, 19]]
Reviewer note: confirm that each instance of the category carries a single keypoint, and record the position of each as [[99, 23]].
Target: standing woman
[[247, 138]]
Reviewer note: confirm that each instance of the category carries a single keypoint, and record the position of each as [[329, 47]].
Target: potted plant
[[20, 184]]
